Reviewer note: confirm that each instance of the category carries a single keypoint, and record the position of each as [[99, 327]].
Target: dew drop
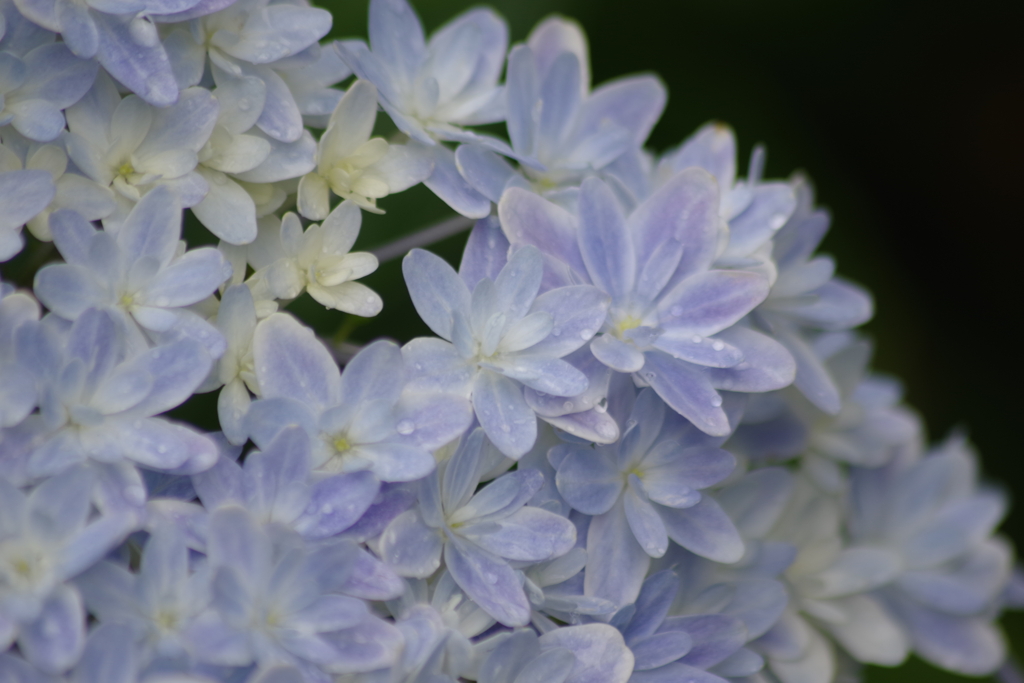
[[556, 332], [567, 405], [161, 448], [716, 400], [630, 424], [491, 578], [419, 366], [697, 339], [778, 220], [405, 427], [718, 345], [244, 104], [506, 428], [326, 509], [586, 334]]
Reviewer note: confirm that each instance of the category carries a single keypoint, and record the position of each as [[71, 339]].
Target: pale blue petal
[[616, 564], [684, 211], [687, 390], [56, 639], [601, 653], [436, 290], [529, 219], [410, 547], [292, 363], [766, 365], [550, 375], [577, 313], [603, 240], [643, 520], [670, 469], [529, 534], [617, 354], [635, 104], [588, 481], [660, 649], [449, 185], [715, 637], [396, 37], [501, 497], [143, 69], [503, 413], [485, 171], [704, 529], [710, 302], [68, 290], [693, 348], [485, 254], [336, 503], [489, 581]]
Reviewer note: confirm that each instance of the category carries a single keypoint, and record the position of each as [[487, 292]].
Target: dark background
[[907, 115]]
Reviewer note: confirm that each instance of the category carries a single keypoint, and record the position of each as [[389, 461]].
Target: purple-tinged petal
[[153, 227], [766, 365], [601, 653], [436, 290], [68, 290], [56, 639], [529, 219], [589, 482], [684, 211], [660, 649], [449, 185], [488, 580], [486, 252], [670, 470], [500, 498], [710, 302], [617, 354], [693, 348], [704, 529], [687, 390], [396, 37], [577, 313], [410, 547], [644, 521], [503, 413], [529, 534], [485, 171], [292, 363], [337, 503], [616, 564], [144, 69], [603, 240], [634, 103]]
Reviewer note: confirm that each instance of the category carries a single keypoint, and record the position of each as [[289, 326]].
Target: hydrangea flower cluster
[[644, 446]]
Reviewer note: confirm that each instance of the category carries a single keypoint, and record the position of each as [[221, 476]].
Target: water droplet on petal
[[556, 332], [716, 400], [586, 334], [491, 578], [697, 339], [506, 428], [326, 509], [718, 345], [405, 427]]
